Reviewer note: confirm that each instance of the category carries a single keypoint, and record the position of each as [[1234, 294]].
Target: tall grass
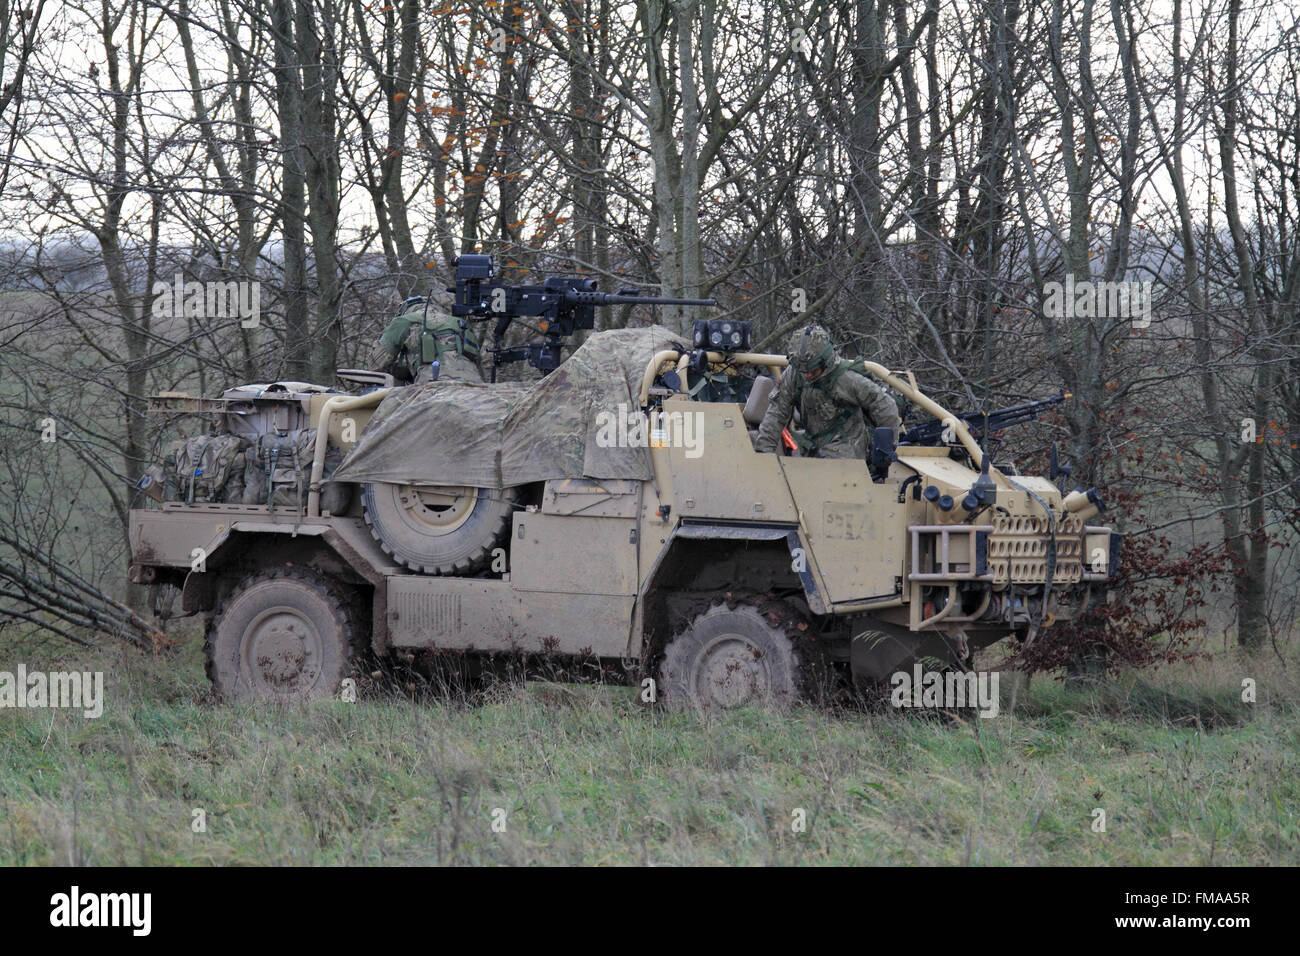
[[1186, 772]]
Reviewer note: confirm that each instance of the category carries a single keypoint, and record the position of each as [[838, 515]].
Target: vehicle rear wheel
[[282, 636], [731, 657], [438, 529]]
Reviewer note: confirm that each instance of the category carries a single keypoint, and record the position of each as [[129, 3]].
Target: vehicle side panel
[[856, 529], [727, 479]]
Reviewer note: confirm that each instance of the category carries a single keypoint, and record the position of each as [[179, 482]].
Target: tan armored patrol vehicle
[[616, 508]]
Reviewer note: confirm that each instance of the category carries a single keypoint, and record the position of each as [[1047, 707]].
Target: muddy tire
[[438, 530], [282, 636], [731, 657]]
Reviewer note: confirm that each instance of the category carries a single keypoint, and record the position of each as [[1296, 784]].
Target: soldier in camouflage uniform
[[413, 340], [836, 404]]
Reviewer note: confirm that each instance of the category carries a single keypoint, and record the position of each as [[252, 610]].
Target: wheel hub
[[283, 650], [436, 510], [731, 672]]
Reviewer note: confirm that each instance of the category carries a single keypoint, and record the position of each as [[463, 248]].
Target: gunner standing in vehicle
[[837, 406], [422, 333]]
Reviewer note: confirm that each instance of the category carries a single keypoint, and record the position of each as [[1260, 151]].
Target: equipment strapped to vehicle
[[278, 469], [206, 468]]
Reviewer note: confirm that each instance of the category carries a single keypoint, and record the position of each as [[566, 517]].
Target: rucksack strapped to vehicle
[[278, 469], [206, 468]]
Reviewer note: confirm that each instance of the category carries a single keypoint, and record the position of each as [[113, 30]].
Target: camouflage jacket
[[407, 351], [835, 419]]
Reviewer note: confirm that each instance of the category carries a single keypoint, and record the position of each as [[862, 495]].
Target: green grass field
[[1186, 772]]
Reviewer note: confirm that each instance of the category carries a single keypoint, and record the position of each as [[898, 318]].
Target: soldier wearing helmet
[[423, 333], [837, 406]]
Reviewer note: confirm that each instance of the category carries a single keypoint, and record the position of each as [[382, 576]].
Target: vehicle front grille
[[1018, 550]]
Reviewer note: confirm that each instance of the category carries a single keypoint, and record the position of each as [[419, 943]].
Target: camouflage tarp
[[495, 436]]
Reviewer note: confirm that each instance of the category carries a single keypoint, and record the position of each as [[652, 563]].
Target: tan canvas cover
[[495, 436]]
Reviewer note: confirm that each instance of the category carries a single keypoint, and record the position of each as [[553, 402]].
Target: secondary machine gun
[[562, 305], [982, 424]]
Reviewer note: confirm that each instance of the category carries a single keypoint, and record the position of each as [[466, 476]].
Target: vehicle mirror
[[882, 449]]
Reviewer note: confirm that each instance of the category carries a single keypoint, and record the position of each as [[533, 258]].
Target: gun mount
[[562, 304]]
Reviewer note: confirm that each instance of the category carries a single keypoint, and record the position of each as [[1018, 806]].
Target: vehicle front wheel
[[731, 657]]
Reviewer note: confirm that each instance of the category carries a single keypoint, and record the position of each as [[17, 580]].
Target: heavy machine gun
[[561, 304], [982, 424]]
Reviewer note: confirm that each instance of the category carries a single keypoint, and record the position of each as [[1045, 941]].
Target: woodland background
[[919, 170]]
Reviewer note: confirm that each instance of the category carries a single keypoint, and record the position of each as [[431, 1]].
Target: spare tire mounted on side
[[438, 529]]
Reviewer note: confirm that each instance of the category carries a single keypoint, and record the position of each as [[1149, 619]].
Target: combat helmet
[[411, 303], [810, 349]]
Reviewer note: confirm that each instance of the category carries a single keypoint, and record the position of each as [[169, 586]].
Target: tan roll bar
[[772, 362], [338, 403], [946, 418], [907, 388]]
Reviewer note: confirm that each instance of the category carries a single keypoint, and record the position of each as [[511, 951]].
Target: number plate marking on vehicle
[[848, 521]]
